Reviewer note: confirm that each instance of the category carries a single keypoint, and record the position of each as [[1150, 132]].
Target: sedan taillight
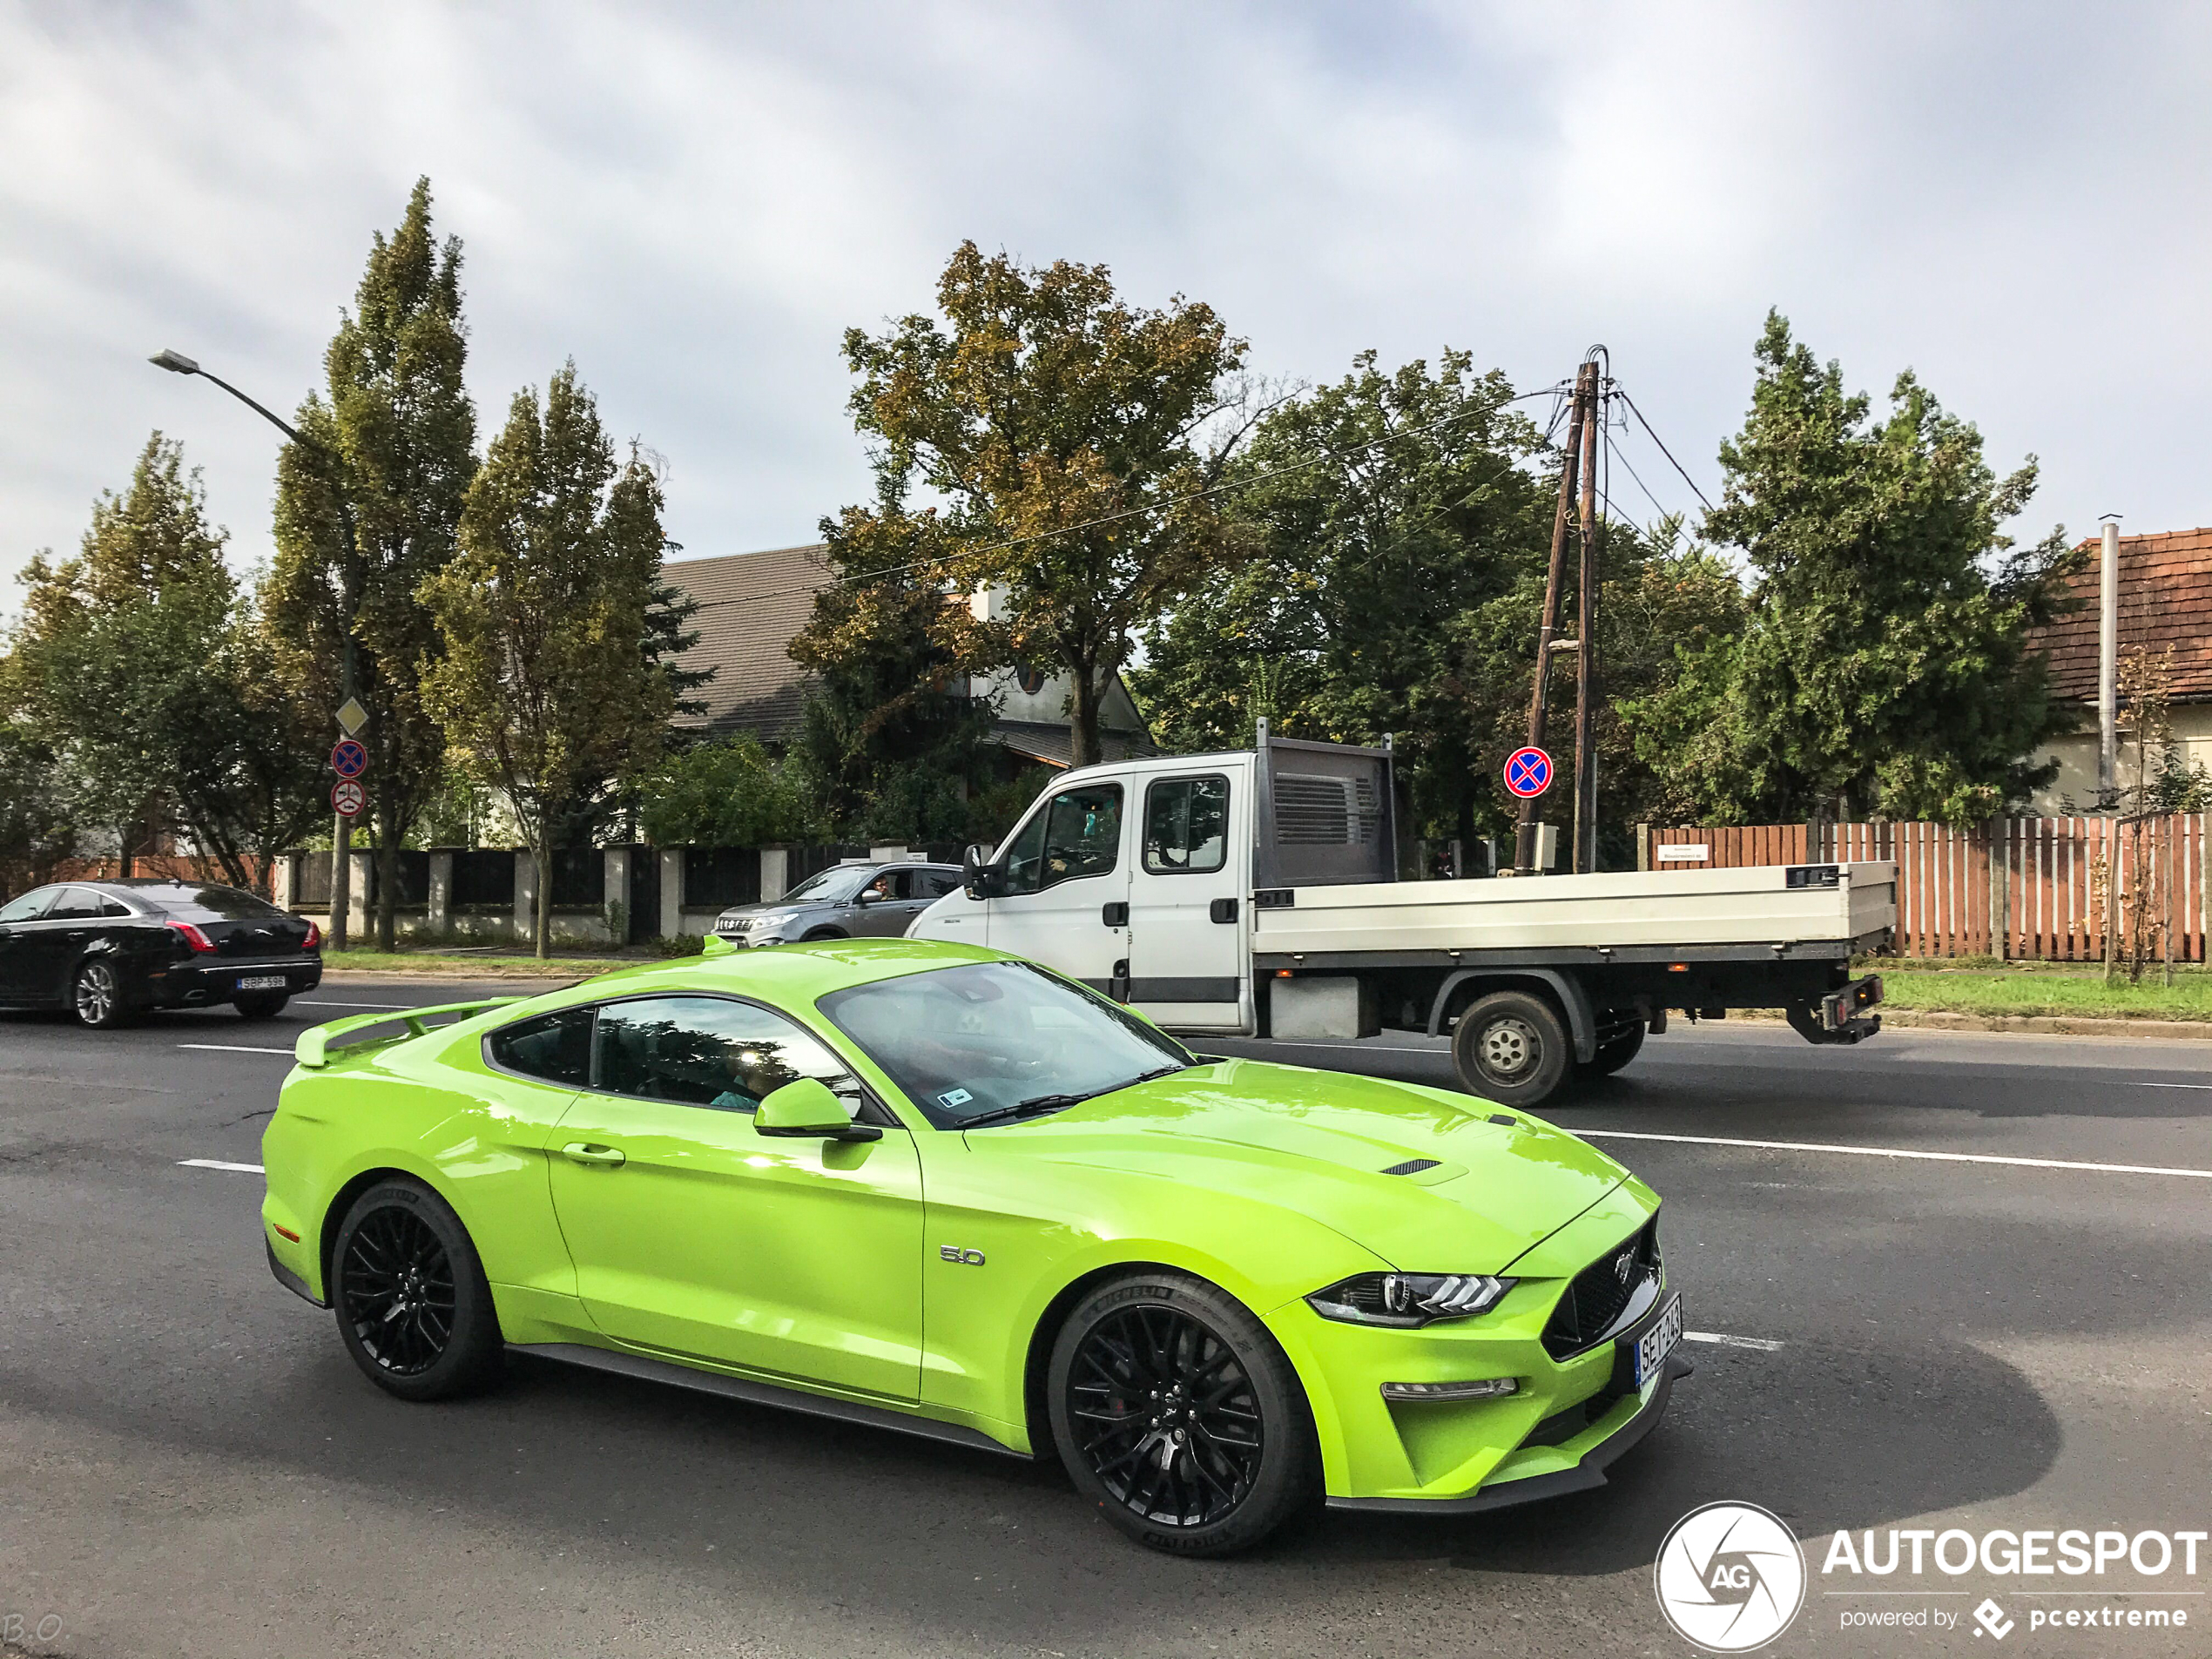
[[313, 940], [192, 936]]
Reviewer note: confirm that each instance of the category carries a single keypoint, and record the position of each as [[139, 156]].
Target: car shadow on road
[[1826, 1437]]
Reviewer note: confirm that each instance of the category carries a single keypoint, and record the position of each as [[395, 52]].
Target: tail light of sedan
[[313, 940], [192, 935]]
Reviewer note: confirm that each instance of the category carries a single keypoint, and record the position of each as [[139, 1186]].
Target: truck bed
[[1630, 915]]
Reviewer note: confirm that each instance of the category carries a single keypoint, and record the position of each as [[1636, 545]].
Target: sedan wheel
[[413, 1306], [1176, 1413], [95, 997]]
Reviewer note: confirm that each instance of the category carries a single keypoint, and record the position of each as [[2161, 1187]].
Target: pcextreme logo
[[1730, 1577]]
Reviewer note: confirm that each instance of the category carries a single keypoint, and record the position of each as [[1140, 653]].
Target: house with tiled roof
[[752, 605], [2165, 606]]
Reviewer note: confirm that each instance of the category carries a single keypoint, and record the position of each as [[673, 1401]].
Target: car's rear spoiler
[[314, 1045]]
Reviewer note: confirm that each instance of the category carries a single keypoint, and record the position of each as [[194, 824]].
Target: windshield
[[984, 1037], [834, 886]]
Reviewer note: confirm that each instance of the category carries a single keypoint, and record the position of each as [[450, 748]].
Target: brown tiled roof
[[1055, 744], [2165, 600], [750, 606]]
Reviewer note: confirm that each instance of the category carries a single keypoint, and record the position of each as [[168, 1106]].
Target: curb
[[2048, 1025]]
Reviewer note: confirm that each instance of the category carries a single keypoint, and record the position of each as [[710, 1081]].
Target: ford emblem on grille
[[1624, 1264]]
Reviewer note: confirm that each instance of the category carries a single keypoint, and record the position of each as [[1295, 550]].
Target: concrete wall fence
[[2029, 889], [602, 895]]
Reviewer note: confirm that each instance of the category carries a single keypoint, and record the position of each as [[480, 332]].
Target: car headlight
[[1406, 1300]]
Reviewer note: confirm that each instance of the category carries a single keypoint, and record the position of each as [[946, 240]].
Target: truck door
[[1066, 903], [1185, 898]]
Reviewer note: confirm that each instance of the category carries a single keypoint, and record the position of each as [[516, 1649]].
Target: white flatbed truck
[[1255, 894]]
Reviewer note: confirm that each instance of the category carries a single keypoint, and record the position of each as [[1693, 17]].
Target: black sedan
[[107, 950]]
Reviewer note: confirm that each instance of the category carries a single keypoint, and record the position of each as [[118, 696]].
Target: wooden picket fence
[[2025, 888]]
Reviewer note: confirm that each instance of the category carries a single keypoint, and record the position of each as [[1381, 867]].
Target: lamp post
[[349, 593]]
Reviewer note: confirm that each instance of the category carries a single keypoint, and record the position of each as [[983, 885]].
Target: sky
[[695, 202]]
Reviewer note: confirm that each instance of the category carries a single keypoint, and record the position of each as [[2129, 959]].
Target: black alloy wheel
[[1177, 1414], [95, 997], [412, 1303]]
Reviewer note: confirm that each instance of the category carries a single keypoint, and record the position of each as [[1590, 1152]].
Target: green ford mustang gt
[[944, 1191]]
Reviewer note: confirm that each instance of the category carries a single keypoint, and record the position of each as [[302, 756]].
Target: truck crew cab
[[1256, 892]]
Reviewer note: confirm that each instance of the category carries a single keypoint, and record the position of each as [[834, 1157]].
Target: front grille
[[1596, 1295]]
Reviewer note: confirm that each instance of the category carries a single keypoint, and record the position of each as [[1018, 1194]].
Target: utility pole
[[341, 835], [2109, 666], [1586, 589], [1524, 856]]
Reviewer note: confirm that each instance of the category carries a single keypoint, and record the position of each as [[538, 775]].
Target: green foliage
[[392, 438], [890, 744], [542, 682], [726, 794], [1883, 665], [677, 944], [38, 815], [138, 669], [1397, 587], [1044, 402]]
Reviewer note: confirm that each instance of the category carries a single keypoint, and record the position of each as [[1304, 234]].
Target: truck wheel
[[1512, 1047], [1613, 1054]]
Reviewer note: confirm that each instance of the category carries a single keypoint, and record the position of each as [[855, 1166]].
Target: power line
[[1613, 449], [1132, 512], [1663, 450]]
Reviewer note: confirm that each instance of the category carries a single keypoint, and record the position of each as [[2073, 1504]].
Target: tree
[[1884, 664], [149, 682], [394, 431], [542, 680], [38, 813], [890, 746], [1387, 511], [1060, 430], [725, 794]]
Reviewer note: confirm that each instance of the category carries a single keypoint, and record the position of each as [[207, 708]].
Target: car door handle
[[591, 1152], [1115, 915]]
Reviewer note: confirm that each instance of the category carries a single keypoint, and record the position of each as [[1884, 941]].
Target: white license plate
[[1654, 1345], [263, 982]]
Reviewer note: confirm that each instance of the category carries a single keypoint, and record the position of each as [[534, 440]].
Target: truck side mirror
[[981, 878]]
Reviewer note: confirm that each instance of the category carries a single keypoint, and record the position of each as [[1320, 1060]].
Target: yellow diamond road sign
[[352, 717]]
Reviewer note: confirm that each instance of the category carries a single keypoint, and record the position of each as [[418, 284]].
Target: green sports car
[[941, 1190]]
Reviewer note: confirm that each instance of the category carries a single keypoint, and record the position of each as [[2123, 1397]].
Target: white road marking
[[1764, 1345], [1894, 1152], [322, 1002], [218, 1164], [2148, 1085], [232, 1047]]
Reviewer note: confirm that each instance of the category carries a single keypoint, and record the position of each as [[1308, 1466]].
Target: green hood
[[1319, 1142]]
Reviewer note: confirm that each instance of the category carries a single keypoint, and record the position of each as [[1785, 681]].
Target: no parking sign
[[1528, 773]]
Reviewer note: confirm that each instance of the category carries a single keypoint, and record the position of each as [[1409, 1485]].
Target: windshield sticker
[[954, 1097]]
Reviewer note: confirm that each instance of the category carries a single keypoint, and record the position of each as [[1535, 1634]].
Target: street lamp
[[348, 588]]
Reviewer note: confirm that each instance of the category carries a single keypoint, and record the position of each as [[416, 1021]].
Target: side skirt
[[759, 1394]]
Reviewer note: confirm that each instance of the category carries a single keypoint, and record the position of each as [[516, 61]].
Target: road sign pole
[[1524, 858], [351, 717]]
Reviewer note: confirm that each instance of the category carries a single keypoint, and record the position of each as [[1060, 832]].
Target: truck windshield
[[982, 1038]]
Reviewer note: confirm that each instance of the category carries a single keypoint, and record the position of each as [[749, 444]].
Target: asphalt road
[[190, 1466]]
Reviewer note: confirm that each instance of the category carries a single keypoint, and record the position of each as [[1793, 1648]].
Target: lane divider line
[[2148, 1085], [232, 1047], [219, 1164], [324, 1002], [1764, 1345], [1894, 1152]]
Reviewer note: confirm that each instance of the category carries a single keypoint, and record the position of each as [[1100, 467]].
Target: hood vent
[[1411, 1166]]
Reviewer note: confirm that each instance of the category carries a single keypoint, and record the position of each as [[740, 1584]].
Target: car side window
[[76, 904], [110, 906], [1078, 833], [29, 906], [936, 885], [902, 885], [1186, 826], [710, 1051], [555, 1047]]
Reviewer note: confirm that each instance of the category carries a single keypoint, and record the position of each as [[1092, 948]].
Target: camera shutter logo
[[1730, 1577]]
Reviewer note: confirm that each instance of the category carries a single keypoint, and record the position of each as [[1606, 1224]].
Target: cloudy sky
[[695, 202]]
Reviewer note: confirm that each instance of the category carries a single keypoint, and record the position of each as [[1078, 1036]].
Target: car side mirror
[[869, 895], [805, 1109]]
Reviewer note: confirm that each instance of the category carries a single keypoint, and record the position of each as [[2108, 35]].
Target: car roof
[[789, 974]]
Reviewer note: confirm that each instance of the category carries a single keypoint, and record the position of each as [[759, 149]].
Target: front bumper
[[1566, 1421], [198, 984]]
